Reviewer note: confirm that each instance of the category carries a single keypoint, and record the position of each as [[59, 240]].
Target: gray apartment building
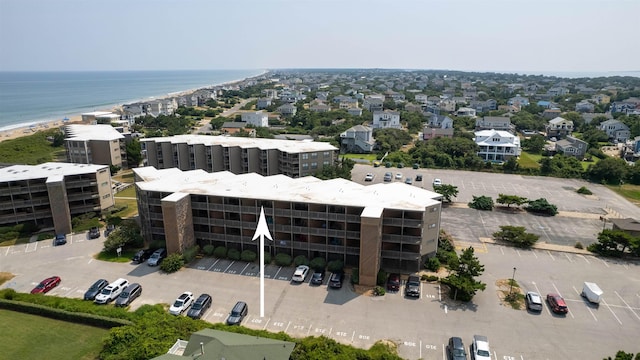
[[50, 194], [95, 144], [390, 226], [238, 155]]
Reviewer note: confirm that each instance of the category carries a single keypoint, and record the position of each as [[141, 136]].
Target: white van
[[591, 292], [112, 291]]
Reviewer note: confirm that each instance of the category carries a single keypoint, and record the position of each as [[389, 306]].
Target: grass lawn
[[529, 161], [370, 157], [128, 192], [111, 256], [32, 149], [127, 197], [35, 337], [629, 192], [125, 176]]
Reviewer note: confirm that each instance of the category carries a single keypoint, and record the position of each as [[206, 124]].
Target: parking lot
[[419, 326]]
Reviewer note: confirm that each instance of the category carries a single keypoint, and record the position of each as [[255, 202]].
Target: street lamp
[[512, 280]]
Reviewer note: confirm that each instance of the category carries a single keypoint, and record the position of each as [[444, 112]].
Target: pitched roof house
[[559, 128], [496, 145], [502, 123], [616, 130], [572, 146]]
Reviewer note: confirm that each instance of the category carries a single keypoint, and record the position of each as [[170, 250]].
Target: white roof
[[558, 120], [54, 170], [289, 146], [485, 137], [92, 132], [280, 187], [96, 113]]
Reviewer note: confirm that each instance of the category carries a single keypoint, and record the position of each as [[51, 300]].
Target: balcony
[[400, 255]]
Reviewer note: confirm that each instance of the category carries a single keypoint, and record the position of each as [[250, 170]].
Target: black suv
[[94, 233], [413, 286], [455, 349], [142, 256], [95, 289], [336, 279], [203, 302]]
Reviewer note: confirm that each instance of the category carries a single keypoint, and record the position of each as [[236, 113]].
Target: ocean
[[31, 97]]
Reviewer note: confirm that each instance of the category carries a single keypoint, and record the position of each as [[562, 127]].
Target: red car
[[46, 285], [557, 304]]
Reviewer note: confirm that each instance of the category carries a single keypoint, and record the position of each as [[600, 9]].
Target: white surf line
[[629, 307], [614, 314]]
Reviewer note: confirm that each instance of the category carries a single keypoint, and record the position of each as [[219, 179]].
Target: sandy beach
[[17, 132]]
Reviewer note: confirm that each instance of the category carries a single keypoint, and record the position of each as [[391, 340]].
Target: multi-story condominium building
[[386, 119], [95, 144], [50, 194], [256, 118], [391, 226], [496, 145], [238, 155]]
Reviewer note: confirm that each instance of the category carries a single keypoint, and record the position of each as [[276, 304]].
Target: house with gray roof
[[357, 139], [571, 146], [287, 110], [616, 130], [502, 123], [559, 128]]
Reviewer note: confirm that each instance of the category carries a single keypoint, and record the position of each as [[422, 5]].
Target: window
[[305, 156], [314, 165], [314, 155], [305, 166]]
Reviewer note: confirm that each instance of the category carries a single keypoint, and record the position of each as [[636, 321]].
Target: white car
[[437, 182], [399, 176], [368, 177], [182, 303], [480, 348], [300, 274]]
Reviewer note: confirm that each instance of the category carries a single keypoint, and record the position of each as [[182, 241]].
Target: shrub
[[190, 253], [220, 252], [429, 278], [579, 245], [481, 203], [208, 249], [300, 260], [318, 264], [584, 190], [355, 276], [283, 259], [381, 279], [432, 264], [379, 291], [335, 266], [516, 235], [541, 206], [248, 256], [267, 258], [172, 263], [233, 254]]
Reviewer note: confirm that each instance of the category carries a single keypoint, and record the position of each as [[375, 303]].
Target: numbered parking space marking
[[29, 248], [212, 265]]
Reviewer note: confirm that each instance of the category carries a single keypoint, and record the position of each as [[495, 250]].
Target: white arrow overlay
[[262, 230]]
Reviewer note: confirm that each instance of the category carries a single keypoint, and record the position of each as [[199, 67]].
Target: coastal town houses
[[466, 111], [95, 144], [50, 194], [357, 139], [386, 119], [571, 146], [551, 113], [496, 145], [484, 106], [628, 106], [518, 101], [287, 109], [429, 132], [373, 104], [232, 127], [381, 226], [616, 130], [440, 121], [585, 106], [501, 123], [255, 118], [263, 103], [559, 128], [238, 155]]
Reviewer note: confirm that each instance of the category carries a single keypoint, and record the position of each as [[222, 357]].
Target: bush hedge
[[220, 252], [300, 260], [233, 254], [355, 275], [335, 266], [172, 263], [381, 279], [208, 249], [432, 264], [190, 254], [283, 259], [248, 256], [267, 258], [318, 264]]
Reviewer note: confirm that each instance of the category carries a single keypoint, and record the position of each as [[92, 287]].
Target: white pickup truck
[[591, 291]]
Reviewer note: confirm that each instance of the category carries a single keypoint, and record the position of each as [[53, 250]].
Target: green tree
[[621, 355], [516, 235], [172, 263], [541, 206], [462, 279], [615, 243], [534, 144], [134, 152], [127, 235], [609, 170], [447, 191], [481, 203], [561, 166], [511, 200]]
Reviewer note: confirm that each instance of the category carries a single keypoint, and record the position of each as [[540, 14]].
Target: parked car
[[533, 301], [408, 181], [238, 313], [317, 278], [388, 177], [591, 292], [300, 274], [557, 304], [142, 256], [437, 182], [59, 239], [480, 348], [46, 285], [156, 258], [455, 349], [95, 289], [182, 303], [412, 288], [94, 233], [399, 176], [368, 177], [418, 177], [336, 279], [200, 306], [111, 291], [129, 294], [109, 229], [393, 282]]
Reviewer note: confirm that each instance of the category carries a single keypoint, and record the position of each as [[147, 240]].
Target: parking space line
[[276, 275], [604, 262], [245, 268], [614, 314], [534, 254], [7, 252], [439, 294], [558, 292], [352, 336], [212, 265], [287, 328], [585, 258], [552, 258], [518, 251], [311, 325], [592, 314], [420, 349], [266, 323], [502, 251], [568, 258], [634, 313], [538, 291], [225, 270]]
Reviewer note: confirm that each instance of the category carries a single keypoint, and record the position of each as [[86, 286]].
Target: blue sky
[[487, 35]]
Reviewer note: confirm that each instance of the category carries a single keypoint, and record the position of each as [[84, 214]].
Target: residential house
[[512, 109], [571, 146], [601, 99], [465, 111], [386, 119], [544, 104], [628, 225], [263, 103], [348, 103], [551, 113], [519, 101], [373, 104], [90, 117], [320, 108], [557, 91], [410, 107], [421, 98], [502, 123], [585, 106], [358, 139], [287, 109], [588, 117], [616, 130], [256, 118], [484, 106], [559, 128], [355, 111], [447, 105], [209, 344], [496, 145], [429, 132], [132, 111], [270, 93], [623, 106], [322, 96], [440, 121], [232, 127]]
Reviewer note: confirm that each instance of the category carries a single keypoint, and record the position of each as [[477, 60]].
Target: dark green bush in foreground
[[172, 263]]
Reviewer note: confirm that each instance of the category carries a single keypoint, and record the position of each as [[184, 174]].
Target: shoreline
[[28, 128]]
